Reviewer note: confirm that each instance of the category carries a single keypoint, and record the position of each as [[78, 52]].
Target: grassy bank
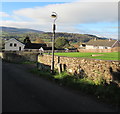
[[108, 93], [104, 56]]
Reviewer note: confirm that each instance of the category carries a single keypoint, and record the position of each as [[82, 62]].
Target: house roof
[[14, 39], [34, 46], [47, 48], [108, 43]]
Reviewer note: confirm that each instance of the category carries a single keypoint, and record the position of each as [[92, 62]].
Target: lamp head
[[54, 15]]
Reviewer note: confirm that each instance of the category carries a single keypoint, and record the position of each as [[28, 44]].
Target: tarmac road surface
[[27, 92]]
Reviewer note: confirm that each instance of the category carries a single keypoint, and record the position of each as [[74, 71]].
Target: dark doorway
[[19, 48]]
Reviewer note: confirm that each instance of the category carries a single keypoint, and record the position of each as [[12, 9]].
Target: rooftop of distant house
[[98, 42]]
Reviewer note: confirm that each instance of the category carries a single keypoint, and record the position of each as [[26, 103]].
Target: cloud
[[25, 24], [69, 15], [73, 13], [3, 14]]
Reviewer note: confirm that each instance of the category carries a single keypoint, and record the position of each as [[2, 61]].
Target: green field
[[105, 56]]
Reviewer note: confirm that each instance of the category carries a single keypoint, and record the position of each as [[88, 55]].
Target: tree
[[39, 40], [27, 40], [60, 42]]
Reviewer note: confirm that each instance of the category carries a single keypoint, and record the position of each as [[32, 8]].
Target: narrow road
[[27, 92]]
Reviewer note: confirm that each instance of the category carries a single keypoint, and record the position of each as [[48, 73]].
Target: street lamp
[[54, 16]]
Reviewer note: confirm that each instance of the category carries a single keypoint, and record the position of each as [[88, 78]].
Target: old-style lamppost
[[54, 16]]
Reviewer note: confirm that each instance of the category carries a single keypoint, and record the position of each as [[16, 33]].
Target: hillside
[[19, 30], [20, 34]]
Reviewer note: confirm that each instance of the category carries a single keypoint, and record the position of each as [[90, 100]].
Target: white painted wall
[[108, 47], [104, 47], [101, 47], [96, 47], [41, 49], [89, 47], [13, 47]]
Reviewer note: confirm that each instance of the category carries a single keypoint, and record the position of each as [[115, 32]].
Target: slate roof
[[14, 39], [34, 46], [47, 48], [102, 43]]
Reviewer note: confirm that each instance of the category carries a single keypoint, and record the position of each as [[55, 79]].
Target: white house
[[100, 44], [14, 45]]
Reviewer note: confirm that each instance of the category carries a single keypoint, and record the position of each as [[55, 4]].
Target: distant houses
[[14, 45], [43, 49], [100, 44], [34, 45]]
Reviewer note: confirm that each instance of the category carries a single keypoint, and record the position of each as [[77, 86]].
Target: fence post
[[63, 67], [59, 68]]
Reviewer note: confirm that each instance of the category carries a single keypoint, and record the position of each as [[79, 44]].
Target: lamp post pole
[[54, 15]]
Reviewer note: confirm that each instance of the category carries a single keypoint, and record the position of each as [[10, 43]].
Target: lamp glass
[[53, 16]]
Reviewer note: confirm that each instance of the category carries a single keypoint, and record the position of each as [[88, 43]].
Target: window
[[83, 45], [10, 44], [15, 45]]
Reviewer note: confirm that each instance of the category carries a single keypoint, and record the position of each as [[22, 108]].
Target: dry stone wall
[[80, 67], [19, 56], [83, 67]]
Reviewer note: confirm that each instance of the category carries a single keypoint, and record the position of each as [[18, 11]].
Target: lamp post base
[[52, 72]]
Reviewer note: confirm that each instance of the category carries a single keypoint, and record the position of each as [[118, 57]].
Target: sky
[[97, 17]]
